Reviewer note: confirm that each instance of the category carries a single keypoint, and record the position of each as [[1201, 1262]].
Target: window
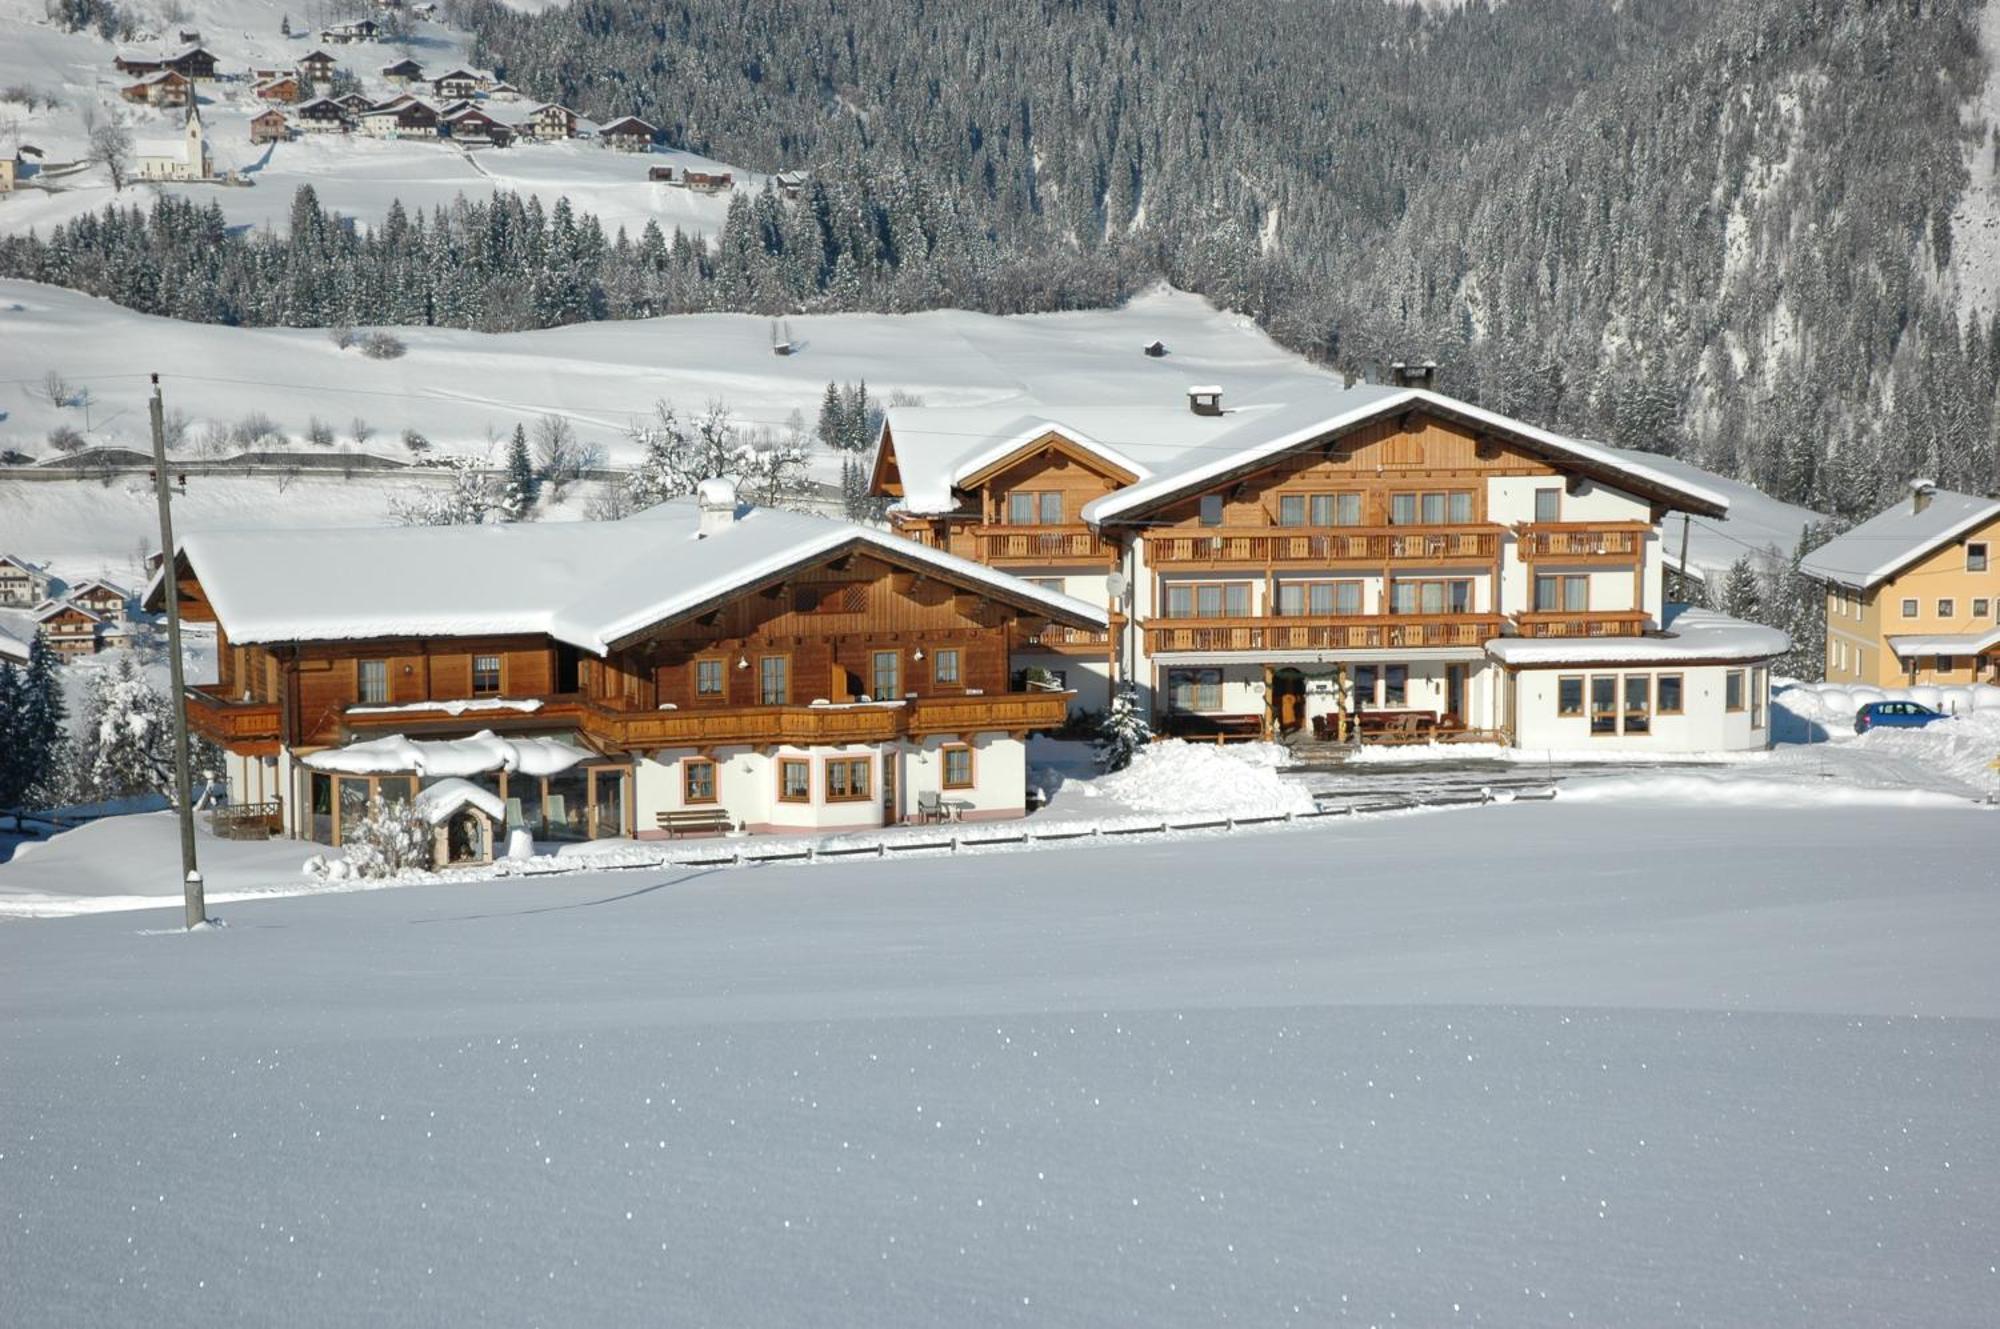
[[773, 684], [697, 780], [1909, 609], [1944, 664], [944, 667], [1364, 684], [1561, 594], [1319, 597], [1319, 509], [1975, 556], [1291, 509], [1434, 508], [1194, 689], [1638, 703], [1032, 507], [957, 766], [373, 679], [708, 678], [485, 675], [846, 779], [1732, 690], [1548, 504], [1208, 599], [1569, 695], [1603, 704], [1759, 685], [1947, 608], [794, 780], [1411, 596], [1211, 509], [885, 673], [1980, 609], [1669, 698], [1396, 685]]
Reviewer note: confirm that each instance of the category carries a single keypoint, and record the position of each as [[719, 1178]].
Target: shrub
[[340, 335], [416, 442], [66, 438], [390, 840], [382, 346], [319, 433]]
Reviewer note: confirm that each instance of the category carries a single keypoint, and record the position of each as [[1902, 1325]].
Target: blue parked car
[[1894, 715]]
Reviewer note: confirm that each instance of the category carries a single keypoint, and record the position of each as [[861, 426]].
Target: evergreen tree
[[1122, 732], [13, 764], [42, 738], [523, 485], [1742, 597], [832, 417], [127, 742]]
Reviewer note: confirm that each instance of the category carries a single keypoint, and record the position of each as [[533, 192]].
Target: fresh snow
[[1539, 1064], [484, 751], [1688, 632], [1177, 777]]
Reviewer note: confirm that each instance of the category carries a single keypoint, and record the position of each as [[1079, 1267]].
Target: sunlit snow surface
[[1636, 1065]]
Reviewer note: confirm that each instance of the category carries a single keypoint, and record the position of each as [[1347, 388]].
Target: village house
[[69, 629], [456, 85], [1913, 593], [321, 115], [183, 158], [284, 89], [1377, 561], [353, 104], [720, 668], [270, 127], [402, 117], [468, 124], [13, 650], [345, 34], [9, 167], [706, 182], [503, 92], [628, 134], [660, 175], [192, 62], [22, 584], [165, 88], [403, 73], [108, 600], [317, 69], [549, 123], [792, 184]]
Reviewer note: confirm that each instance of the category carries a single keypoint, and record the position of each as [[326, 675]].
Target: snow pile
[[1174, 776], [437, 803], [459, 707], [1728, 790], [484, 751], [1834, 706]]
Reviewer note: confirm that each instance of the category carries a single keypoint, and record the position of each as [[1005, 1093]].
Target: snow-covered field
[[1534, 1065], [354, 174]]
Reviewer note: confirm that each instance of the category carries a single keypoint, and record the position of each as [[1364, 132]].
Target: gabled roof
[[12, 560], [99, 584], [320, 55], [405, 64], [48, 609], [628, 124], [12, 648], [594, 585], [1946, 643], [1892, 539]]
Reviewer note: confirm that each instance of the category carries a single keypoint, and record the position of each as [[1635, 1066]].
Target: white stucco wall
[[1704, 726], [1511, 499]]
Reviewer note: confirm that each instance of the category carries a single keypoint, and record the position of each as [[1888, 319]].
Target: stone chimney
[[1205, 399], [1402, 374], [717, 501], [1920, 495]]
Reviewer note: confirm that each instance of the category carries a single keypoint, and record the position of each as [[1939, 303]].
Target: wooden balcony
[[1318, 546], [1581, 542], [1056, 637], [1304, 632], [1016, 712], [804, 726], [249, 727], [1071, 543], [1618, 623]]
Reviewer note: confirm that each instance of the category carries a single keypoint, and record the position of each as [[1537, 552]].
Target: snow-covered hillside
[[354, 174]]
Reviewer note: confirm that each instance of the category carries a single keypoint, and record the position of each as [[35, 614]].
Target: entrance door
[[1454, 694], [1288, 689], [607, 803], [889, 817]]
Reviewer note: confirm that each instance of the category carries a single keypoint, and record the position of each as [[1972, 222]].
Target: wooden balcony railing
[[1056, 637], [1036, 544], [1016, 711], [1581, 542], [1373, 546], [807, 725], [1365, 632], [233, 724], [1618, 623]]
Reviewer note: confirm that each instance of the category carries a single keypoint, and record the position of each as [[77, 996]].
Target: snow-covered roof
[[485, 751], [1173, 449], [99, 584], [442, 801], [12, 648], [1945, 643], [48, 609], [161, 147], [21, 563], [592, 584], [1873, 551], [1688, 633]]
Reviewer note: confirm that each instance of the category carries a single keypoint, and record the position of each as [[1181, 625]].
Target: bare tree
[[56, 389], [111, 144], [360, 431], [558, 454]]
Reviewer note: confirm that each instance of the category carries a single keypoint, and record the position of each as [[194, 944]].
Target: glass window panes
[[944, 667], [1194, 689], [794, 780], [1052, 508], [1347, 597], [1180, 602], [1947, 608], [1569, 695], [1291, 599], [1395, 685], [708, 678], [1603, 704], [1732, 690], [373, 676], [1211, 509], [1347, 509], [773, 687], [1020, 509], [700, 778], [846, 778], [958, 768], [1548, 505], [1291, 510], [1670, 694], [1402, 509], [1638, 703], [1975, 557], [1364, 684], [485, 674], [886, 674]]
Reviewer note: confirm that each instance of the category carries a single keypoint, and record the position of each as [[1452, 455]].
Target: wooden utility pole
[[1685, 520], [191, 886]]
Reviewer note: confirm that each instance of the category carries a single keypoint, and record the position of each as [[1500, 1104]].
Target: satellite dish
[[1114, 585]]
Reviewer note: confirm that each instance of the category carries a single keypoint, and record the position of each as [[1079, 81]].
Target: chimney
[[1920, 495], [717, 501], [1205, 399], [1402, 374]]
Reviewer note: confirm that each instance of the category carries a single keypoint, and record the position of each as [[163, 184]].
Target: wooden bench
[[685, 820]]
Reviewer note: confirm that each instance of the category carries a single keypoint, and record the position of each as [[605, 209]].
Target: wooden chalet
[[321, 115], [402, 117], [792, 184], [162, 88], [716, 668], [285, 89], [22, 584], [403, 73], [346, 34], [456, 85], [660, 175], [107, 600], [270, 127], [70, 629], [354, 104], [628, 134], [1378, 560], [469, 124], [550, 122], [707, 182], [194, 63], [317, 68]]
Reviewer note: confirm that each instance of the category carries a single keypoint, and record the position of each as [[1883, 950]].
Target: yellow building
[[1913, 593]]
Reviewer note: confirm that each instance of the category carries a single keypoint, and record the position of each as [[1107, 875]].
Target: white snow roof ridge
[[1874, 550]]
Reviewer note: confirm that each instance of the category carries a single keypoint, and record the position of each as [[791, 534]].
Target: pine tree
[[1742, 597], [1122, 732], [128, 736], [832, 418], [13, 763], [523, 485], [42, 738]]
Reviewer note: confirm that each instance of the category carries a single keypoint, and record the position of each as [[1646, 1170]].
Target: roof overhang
[[1944, 643], [1862, 581], [1586, 459]]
